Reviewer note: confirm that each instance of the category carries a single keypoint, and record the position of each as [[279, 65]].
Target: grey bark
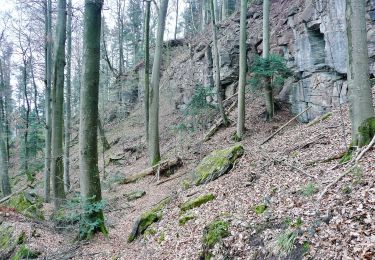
[[266, 53], [147, 67], [48, 77], [360, 94], [154, 149], [68, 110], [57, 165], [220, 92], [243, 69], [176, 23], [88, 138], [4, 176]]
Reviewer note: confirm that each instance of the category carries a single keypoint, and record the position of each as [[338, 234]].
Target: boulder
[[216, 164], [134, 195], [27, 204]]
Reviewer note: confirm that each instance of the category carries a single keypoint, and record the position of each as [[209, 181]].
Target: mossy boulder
[[216, 164], [134, 195], [185, 218], [146, 219], [212, 234], [28, 204], [366, 132], [196, 202]]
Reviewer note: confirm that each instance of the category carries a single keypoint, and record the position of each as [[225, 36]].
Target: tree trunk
[[68, 98], [57, 166], [4, 177], [147, 67], [48, 77], [104, 140], [224, 9], [266, 53], [88, 138], [176, 23], [360, 94], [28, 108], [243, 70], [154, 149], [219, 89]]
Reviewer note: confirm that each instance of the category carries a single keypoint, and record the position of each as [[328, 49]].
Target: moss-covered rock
[[366, 132], [28, 204], [216, 164], [196, 202], [212, 234], [25, 253], [146, 219], [134, 195], [186, 218]]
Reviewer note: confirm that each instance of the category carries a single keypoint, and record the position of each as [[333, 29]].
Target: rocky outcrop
[[309, 34]]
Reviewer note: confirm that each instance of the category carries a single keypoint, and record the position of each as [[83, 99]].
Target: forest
[[187, 129]]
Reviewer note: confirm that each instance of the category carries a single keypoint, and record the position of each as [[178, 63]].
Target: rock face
[[309, 34]]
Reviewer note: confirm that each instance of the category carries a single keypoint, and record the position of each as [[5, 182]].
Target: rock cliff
[[309, 34]]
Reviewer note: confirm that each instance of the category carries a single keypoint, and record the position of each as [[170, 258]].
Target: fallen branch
[[218, 123], [356, 161], [320, 119], [283, 126], [162, 167], [11, 195], [307, 143], [171, 178]]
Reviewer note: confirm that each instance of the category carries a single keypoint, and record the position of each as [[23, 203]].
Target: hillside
[[289, 198]]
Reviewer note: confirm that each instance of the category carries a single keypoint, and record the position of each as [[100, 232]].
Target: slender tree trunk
[[243, 69], [360, 94], [154, 149], [266, 53], [176, 23], [220, 92], [147, 67], [224, 9], [4, 177], [57, 165], [103, 139], [68, 99], [27, 119], [48, 79], [88, 138]]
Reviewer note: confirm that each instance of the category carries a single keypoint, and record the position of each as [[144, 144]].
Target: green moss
[[161, 237], [366, 132], [21, 238], [259, 209], [216, 164], [194, 203], [186, 218], [309, 190], [28, 205], [147, 218], [5, 237], [186, 184], [134, 195], [348, 155], [25, 253], [214, 232], [150, 232]]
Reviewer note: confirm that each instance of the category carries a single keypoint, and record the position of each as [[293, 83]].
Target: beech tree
[[154, 149], [147, 66], [47, 105], [68, 99], [219, 89], [88, 137], [266, 53], [360, 94], [243, 70], [57, 166]]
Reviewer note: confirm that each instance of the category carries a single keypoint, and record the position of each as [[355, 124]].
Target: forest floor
[[287, 175]]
